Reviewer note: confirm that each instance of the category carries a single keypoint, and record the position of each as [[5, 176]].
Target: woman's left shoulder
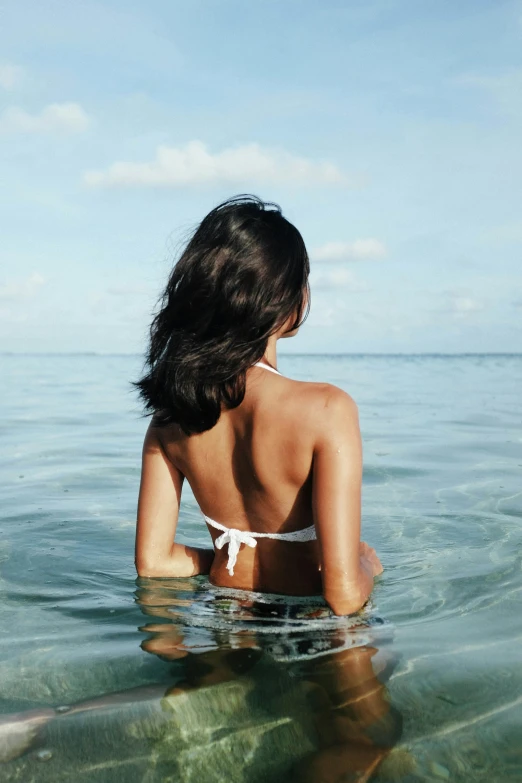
[[325, 404], [327, 395]]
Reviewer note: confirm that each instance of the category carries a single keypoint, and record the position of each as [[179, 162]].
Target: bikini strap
[[266, 367], [234, 538]]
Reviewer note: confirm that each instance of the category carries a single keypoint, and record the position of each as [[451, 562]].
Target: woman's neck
[[270, 354]]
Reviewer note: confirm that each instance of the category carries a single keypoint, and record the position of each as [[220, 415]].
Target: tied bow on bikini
[[234, 538]]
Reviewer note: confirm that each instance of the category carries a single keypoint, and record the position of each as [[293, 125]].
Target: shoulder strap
[[267, 367]]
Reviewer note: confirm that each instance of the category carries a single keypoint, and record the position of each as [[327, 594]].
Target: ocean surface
[[105, 677]]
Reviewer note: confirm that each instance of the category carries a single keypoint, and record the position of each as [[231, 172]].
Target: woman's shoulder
[[326, 395], [329, 419], [323, 403]]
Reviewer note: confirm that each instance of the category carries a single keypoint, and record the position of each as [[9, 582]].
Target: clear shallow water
[[161, 680]]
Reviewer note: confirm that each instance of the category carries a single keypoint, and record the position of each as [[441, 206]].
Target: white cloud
[[193, 164], [359, 250], [336, 278], [10, 76], [68, 117], [460, 304], [14, 290], [464, 304]]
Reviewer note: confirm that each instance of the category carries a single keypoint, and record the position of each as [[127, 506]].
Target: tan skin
[[288, 457]]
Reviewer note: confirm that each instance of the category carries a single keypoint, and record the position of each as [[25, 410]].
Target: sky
[[387, 130]]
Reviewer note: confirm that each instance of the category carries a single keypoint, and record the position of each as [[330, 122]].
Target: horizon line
[[289, 354]]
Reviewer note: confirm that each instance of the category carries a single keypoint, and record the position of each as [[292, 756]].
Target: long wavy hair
[[242, 275]]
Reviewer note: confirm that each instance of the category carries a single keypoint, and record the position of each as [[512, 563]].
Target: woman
[[274, 464]]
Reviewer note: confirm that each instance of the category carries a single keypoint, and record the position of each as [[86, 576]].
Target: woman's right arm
[[156, 552], [348, 566]]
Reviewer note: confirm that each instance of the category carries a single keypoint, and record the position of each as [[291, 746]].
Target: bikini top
[[234, 537]]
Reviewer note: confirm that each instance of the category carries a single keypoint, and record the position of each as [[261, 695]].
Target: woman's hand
[[369, 554]]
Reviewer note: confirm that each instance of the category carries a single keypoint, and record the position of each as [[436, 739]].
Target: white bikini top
[[234, 537]]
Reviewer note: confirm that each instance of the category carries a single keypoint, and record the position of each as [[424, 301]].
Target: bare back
[[289, 457], [253, 471]]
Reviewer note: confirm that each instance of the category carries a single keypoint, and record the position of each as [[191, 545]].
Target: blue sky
[[388, 131]]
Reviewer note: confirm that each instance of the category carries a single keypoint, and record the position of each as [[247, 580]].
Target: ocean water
[[105, 677]]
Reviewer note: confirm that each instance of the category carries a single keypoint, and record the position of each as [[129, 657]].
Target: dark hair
[[243, 273]]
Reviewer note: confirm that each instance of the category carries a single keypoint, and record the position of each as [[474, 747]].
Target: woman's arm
[[158, 508], [347, 565]]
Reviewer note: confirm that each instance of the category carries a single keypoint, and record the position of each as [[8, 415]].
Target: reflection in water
[[285, 667], [258, 688]]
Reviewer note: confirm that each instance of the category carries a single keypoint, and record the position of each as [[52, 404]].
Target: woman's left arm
[[156, 553]]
